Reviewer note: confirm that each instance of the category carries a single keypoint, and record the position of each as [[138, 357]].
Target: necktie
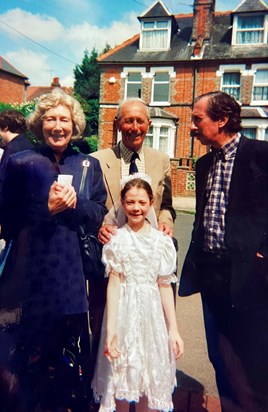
[[133, 167], [219, 153]]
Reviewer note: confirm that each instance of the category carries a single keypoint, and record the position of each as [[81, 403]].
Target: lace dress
[[146, 365]]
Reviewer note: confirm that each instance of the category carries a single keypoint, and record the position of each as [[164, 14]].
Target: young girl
[[140, 340]]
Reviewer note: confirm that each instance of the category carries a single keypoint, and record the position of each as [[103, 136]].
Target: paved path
[[196, 389]]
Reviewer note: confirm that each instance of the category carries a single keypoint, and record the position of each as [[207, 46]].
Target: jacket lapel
[[112, 175]]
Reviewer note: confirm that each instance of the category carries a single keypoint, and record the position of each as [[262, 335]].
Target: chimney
[[55, 82], [202, 23]]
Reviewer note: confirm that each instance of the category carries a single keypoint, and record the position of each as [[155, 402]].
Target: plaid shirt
[[217, 192], [126, 154]]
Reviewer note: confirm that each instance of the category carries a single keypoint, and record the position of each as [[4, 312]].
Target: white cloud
[[37, 27], [34, 65], [67, 81], [86, 36], [40, 65]]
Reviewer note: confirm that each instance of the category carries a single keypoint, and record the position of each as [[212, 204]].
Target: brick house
[[175, 58], [33, 92], [13, 84]]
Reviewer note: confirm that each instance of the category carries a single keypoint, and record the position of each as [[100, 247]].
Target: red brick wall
[[182, 177], [12, 88], [246, 89]]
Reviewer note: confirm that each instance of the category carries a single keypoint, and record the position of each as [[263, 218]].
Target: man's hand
[[61, 197], [168, 230], [106, 232]]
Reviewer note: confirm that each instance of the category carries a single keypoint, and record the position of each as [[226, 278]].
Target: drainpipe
[[193, 98]]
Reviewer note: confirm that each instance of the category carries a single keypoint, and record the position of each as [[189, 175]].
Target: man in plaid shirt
[[227, 261]]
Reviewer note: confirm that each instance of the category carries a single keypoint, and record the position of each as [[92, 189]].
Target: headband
[[138, 175]]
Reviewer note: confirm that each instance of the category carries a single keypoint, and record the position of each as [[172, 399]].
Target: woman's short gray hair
[[46, 102]]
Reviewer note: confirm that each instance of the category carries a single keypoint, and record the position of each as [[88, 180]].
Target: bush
[[87, 144]]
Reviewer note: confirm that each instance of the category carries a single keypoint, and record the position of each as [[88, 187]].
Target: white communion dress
[[146, 365]]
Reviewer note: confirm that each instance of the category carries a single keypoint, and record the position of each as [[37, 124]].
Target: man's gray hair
[[131, 100]]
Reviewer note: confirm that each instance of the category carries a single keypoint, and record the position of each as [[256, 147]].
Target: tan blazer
[[157, 166]]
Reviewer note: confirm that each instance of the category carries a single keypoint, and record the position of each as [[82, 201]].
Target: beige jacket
[[157, 166]]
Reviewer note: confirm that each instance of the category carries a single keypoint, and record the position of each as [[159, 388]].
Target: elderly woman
[[42, 289]]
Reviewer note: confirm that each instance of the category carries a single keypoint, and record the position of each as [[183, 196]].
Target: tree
[[87, 76], [87, 90]]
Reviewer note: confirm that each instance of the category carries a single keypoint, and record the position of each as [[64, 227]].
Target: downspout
[[193, 98]]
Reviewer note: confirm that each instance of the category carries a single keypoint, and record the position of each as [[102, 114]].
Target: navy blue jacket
[[44, 274], [246, 226]]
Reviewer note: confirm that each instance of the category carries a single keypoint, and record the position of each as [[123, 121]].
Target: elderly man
[[130, 155], [228, 256]]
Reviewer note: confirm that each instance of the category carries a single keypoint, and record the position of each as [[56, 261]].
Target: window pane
[[261, 76], [161, 77], [148, 24], [163, 139], [250, 22], [134, 77], [134, 90], [231, 84], [161, 93], [245, 37], [155, 39], [231, 79], [161, 87], [260, 93], [250, 29], [232, 91], [161, 24], [133, 84], [148, 141], [250, 132], [266, 134]]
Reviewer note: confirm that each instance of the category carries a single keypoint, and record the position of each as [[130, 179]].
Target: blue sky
[[46, 39]]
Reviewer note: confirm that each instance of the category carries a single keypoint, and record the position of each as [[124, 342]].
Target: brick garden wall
[[182, 177]]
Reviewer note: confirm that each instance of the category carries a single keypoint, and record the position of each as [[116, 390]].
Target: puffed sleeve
[[167, 267], [111, 257]]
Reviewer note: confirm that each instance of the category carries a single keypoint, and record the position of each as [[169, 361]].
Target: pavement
[[190, 395], [184, 203]]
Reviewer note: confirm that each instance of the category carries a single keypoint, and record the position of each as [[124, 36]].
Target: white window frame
[[155, 29], [231, 68], [261, 125], [157, 124], [255, 68], [172, 74], [236, 29], [126, 71]]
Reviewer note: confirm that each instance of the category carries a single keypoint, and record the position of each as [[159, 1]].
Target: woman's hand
[[176, 343], [61, 197], [111, 347]]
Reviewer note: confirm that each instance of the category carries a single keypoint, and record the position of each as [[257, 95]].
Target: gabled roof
[[249, 6], [218, 48], [158, 9], [33, 92], [7, 67]]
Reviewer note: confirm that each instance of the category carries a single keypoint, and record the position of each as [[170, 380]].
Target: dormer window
[[250, 29], [155, 35]]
